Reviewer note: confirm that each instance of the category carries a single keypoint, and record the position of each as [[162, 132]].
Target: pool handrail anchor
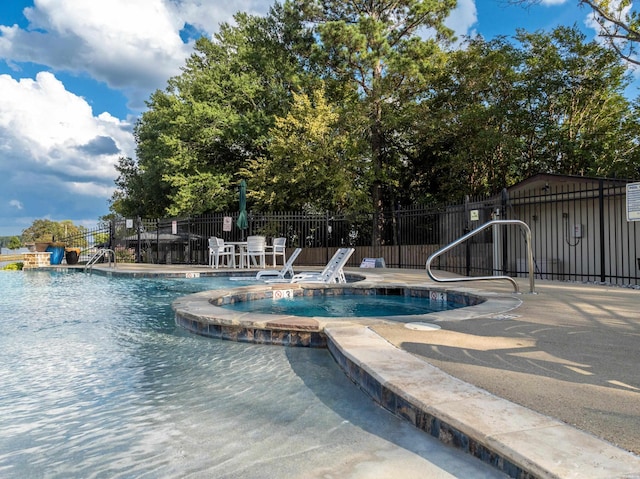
[[481, 228], [98, 255]]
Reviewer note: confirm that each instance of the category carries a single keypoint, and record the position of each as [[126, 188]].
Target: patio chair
[[332, 272], [280, 276], [219, 253], [255, 251], [278, 248]]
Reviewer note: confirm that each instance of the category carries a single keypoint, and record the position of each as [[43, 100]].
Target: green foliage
[[375, 49], [213, 118], [100, 238], [125, 255], [14, 243], [47, 230], [343, 105], [13, 266], [501, 113], [311, 162]]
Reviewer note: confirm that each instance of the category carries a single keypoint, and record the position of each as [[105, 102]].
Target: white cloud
[[614, 6], [622, 14], [53, 148], [133, 46], [553, 2], [44, 125], [462, 18], [57, 156], [91, 189], [207, 15]]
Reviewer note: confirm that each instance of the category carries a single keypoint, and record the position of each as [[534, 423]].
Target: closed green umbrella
[[242, 222]]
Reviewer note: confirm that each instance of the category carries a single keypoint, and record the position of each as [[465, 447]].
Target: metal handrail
[[99, 254], [462, 239]]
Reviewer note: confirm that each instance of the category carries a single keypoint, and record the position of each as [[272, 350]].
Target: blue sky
[[74, 76]]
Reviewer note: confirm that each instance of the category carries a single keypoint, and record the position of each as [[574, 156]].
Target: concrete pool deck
[[541, 385]]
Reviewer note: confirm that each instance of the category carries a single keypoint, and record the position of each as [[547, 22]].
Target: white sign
[[439, 296], [226, 223], [368, 263], [174, 227], [633, 202], [282, 293], [129, 223], [475, 215]]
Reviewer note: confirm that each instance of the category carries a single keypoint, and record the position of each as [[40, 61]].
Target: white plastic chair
[[255, 251], [332, 272], [280, 276], [219, 251], [278, 248]]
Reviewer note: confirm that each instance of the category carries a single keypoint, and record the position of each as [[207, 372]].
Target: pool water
[[97, 382], [349, 306]]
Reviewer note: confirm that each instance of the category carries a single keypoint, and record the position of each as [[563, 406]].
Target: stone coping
[[518, 441], [203, 313]]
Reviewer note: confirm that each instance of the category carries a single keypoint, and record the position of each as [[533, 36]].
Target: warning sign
[[633, 202], [283, 294], [439, 296]]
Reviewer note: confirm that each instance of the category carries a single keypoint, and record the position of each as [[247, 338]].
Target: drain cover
[[421, 326]]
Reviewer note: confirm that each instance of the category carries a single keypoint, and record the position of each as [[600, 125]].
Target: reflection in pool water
[[98, 382]]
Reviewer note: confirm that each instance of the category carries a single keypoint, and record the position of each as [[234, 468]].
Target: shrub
[[125, 255], [13, 267]]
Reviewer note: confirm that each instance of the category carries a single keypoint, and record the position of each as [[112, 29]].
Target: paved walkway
[[543, 384], [572, 351]]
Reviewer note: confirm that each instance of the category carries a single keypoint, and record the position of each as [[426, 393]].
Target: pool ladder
[[527, 232], [101, 253]]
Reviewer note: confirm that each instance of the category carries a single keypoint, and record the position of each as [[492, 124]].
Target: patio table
[[241, 248]]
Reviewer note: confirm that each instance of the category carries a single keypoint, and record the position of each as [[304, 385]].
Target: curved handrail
[[483, 227], [99, 254]]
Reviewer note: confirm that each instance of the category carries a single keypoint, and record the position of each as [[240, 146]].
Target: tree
[[213, 118], [469, 135], [306, 167], [500, 113], [47, 230], [14, 243], [618, 23], [575, 105], [375, 47]]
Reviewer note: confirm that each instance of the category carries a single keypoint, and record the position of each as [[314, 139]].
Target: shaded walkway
[[572, 352]]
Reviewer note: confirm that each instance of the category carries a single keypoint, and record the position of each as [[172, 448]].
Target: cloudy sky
[[74, 76]]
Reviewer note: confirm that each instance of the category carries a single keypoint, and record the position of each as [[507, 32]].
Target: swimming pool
[[97, 381], [349, 306]]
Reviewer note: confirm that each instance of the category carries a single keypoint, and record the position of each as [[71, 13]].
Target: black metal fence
[[579, 232]]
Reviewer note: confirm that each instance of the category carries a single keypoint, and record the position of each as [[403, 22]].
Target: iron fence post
[[602, 249]]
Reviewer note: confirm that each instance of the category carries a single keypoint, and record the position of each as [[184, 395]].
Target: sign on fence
[[633, 202], [372, 263]]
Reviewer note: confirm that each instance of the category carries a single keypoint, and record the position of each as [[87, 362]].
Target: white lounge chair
[[332, 272], [277, 276]]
